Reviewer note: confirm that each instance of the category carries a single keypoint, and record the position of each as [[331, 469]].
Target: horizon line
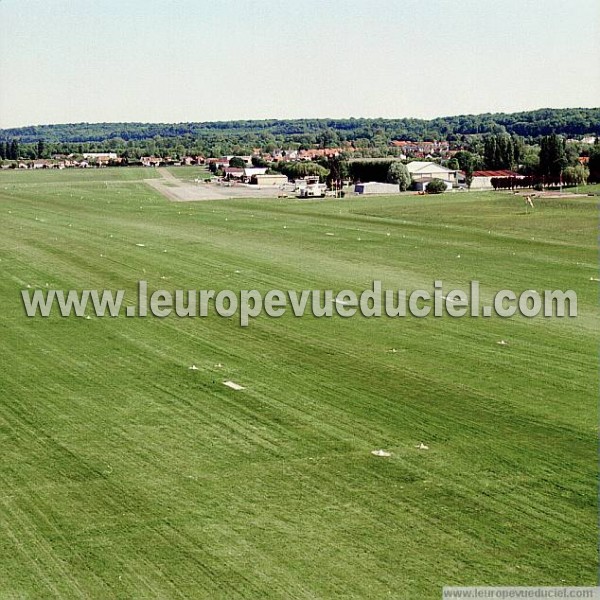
[[308, 118]]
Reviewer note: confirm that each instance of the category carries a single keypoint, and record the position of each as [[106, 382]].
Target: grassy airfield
[[126, 474]]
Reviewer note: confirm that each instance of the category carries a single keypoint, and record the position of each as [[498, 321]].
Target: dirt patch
[[550, 194], [182, 191]]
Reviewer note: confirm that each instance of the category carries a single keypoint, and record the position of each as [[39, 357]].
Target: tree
[[436, 186], [328, 138], [577, 175], [467, 162], [530, 160], [259, 161], [518, 149], [179, 150], [398, 173], [553, 158], [490, 152], [295, 170], [594, 163], [469, 178], [499, 152], [237, 162], [14, 150], [41, 149], [338, 170]]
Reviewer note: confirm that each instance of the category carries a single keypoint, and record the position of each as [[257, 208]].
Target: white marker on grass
[[380, 453], [233, 386]]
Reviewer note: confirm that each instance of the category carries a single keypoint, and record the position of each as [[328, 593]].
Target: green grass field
[[127, 475], [190, 173]]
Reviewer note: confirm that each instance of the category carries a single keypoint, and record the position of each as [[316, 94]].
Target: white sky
[[67, 61]]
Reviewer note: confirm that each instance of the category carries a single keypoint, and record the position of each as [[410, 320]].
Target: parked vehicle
[[309, 187]]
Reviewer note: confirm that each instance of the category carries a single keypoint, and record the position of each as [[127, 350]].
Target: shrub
[[369, 170], [237, 162], [296, 170], [577, 175], [398, 173], [436, 186]]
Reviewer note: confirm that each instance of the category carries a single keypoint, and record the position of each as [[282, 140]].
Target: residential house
[[100, 159], [192, 160], [150, 161], [105, 156], [41, 164], [220, 163], [422, 149]]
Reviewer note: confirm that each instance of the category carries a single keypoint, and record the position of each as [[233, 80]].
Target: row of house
[[50, 164], [101, 159], [283, 156], [422, 149], [157, 161]]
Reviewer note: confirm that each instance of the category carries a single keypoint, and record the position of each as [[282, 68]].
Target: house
[[100, 158], [422, 149], [41, 164], [103, 156], [482, 180], [220, 163], [322, 153], [423, 172], [192, 160], [150, 161]]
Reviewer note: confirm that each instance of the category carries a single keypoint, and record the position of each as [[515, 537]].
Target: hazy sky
[[197, 60]]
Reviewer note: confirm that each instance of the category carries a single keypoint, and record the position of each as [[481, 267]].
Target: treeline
[[546, 163], [323, 132]]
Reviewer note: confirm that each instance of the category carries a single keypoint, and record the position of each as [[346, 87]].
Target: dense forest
[[324, 132]]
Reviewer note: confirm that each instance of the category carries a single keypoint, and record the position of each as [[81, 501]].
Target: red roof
[[501, 173]]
